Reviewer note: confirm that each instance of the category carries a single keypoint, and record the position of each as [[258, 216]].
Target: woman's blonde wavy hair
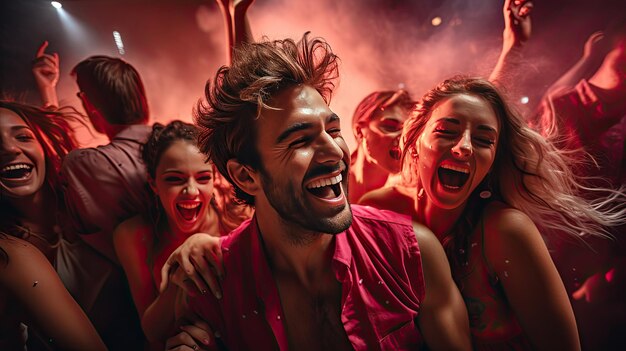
[[529, 173]]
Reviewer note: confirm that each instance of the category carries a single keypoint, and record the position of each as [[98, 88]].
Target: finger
[[207, 276], [578, 294], [186, 263], [199, 334], [56, 58], [525, 10], [165, 273], [596, 37], [218, 261], [181, 280], [180, 341], [210, 278], [182, 348], [42, 48], [45, 59], [196, 278]]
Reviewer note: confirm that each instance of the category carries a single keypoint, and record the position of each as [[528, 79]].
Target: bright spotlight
[[524, 100], [436, 21], [117, 37], [56, 4]]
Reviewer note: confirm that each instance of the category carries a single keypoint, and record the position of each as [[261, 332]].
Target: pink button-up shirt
[[377, 260]]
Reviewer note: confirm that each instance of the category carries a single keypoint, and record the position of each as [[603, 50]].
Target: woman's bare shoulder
[[134, 229], [20, 261]]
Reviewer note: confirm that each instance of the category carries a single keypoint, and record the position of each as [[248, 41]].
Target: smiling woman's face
[[457, 149], [382, 136], [184, 184], [22, 159]]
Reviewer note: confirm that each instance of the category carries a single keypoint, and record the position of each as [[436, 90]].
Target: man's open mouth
[[452, 176], [16, 171], [326, 188], [189, 210]]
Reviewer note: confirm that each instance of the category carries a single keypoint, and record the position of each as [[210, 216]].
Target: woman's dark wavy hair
[[161, 138], [239, 92], [54, 133]]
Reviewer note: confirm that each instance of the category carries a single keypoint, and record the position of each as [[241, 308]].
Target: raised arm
[[443, 317], [30, 278], [242, 33], [46, 72], [533, 287], [517, 30], [593, 52], [235, 13]]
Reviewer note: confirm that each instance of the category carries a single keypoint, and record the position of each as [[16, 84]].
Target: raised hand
[[517, 23], [46, 72], [200, 258], [46, 67]]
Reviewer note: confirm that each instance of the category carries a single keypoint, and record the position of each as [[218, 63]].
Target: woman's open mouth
[[16, 171], [452, 176], [189, 210]]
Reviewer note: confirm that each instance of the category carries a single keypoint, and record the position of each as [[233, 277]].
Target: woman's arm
[[132, 240], [30, 278], [593, 53], [443, 317], [159, 318], [516, 251], [242, 33], [517, 30], [235, 13]]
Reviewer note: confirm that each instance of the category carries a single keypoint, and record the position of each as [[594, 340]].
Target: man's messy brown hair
[[239, 93]]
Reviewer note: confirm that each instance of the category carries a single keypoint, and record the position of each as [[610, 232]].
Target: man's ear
[[359, 132], [244, 177]]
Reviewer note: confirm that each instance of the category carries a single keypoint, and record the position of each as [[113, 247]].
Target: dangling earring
[[486, 193], [420, 194]]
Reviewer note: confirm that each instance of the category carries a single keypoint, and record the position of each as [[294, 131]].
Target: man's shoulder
[[238, 236], [387, 230], [369, 213], [132, 138]]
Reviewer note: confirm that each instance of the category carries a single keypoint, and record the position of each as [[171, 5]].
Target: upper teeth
[[456, 168], [16, 166], [189, 206], [325, 182]]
